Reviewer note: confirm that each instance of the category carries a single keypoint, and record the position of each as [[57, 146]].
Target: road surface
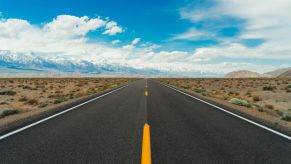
[[109, 130]]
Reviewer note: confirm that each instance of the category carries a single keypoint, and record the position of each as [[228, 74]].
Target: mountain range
[[31, 63], [280, 73]]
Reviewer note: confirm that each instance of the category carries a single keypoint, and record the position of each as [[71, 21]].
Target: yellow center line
[[146, 146], [146, 93]]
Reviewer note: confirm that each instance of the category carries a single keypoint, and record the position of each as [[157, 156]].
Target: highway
[[110, 130]]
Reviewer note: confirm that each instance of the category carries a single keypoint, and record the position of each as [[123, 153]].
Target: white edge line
[[236, 115], [57, 114]]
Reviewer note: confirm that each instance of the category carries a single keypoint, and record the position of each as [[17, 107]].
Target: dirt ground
[[18, 95], [261, 97]]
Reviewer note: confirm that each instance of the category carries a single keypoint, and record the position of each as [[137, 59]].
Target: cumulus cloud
[[65, 33], [71, 26], [267, 20], [112, 28]]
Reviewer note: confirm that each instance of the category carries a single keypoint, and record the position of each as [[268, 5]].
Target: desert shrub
[[205, 94], [278, 112], [289, 86], [286, 117], [7, 112], [26, 87], [23, 99], [269, 106], [114, 85], [50, 96], [4, 103], [269, 88], [248, 93], [32, 102], [42, 105], [60, 100], [257, 98], [186, 87], [200, 90], [259, 108], [240, 102], [7, 92]]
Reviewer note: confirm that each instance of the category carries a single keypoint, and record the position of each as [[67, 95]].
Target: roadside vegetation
[[269, 96], [18, 95]]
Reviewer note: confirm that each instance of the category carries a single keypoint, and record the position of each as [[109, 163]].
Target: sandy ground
[[269, 104], [28, 94]]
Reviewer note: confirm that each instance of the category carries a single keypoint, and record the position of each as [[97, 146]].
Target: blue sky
[[197, 35]]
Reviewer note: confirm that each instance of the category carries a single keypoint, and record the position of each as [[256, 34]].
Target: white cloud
[[115, 41], [135, 41], [268, 20], [64, 34], [112, 28], [132, 44], [71, 26], [192, 34]]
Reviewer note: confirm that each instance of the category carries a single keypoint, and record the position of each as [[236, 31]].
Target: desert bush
[[114, 85], [23, 99], [42, 105], [7, 112], [32, 102], [259, 107], [286, 117], [60, 100], [240, 102], [50, 96], [7, 92], [257, 98], [26, 87], [269, 88], [200, 90], [248, 93], [4, 103], [186, 87], [269, 106], [205, 94]]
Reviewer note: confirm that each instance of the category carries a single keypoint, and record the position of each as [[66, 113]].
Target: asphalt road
[[109, 130]]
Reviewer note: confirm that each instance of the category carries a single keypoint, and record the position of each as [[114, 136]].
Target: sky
[[189, 36]]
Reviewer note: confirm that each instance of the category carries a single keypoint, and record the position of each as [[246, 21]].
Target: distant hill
[[278, 72], [285, 74], [244, 74]]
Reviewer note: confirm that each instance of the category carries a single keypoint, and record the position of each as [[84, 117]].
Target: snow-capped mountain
[[35, 62]]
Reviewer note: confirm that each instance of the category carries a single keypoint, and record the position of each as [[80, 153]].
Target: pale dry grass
[[26, 94], [271, 96]]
